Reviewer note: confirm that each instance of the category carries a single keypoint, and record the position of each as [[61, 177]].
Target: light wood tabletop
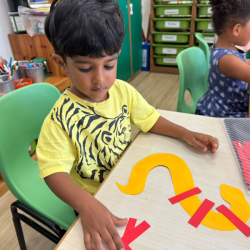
[[169, 223]]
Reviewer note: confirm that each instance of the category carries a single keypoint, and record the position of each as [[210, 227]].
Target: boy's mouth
[[99, 89]]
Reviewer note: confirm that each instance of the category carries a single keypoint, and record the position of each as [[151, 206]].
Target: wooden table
[[169, 223], [59, 82]]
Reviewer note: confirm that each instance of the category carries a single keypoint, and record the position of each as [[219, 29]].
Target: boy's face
[[91, 77]]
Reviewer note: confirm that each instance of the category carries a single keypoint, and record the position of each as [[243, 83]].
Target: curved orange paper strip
[[183, 181]]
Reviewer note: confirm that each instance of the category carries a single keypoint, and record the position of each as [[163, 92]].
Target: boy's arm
[[232, 66], [200, 141], [97, 221]]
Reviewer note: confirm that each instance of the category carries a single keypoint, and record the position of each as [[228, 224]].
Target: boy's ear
[[119, 53], [60, 62], [236, 29]]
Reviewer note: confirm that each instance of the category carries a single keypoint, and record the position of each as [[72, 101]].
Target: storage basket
[[172, 23], [168, 49], [173, 10], [171, 37]]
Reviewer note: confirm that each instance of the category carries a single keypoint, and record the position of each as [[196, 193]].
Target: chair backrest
[[191, 64], [22, 113], [205, 48]]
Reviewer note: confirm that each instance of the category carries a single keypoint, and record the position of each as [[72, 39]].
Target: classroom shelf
[[157, 61]]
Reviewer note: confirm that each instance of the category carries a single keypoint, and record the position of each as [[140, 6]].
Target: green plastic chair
[[191, 64], [205, 48], [22, 114]]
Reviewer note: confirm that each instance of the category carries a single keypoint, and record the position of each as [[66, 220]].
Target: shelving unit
[[169, 69], [204, 14]]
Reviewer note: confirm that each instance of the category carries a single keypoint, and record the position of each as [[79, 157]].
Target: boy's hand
[[97, 223], [202, 141]]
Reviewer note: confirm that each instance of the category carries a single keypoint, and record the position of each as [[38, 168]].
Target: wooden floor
[[160, 90]]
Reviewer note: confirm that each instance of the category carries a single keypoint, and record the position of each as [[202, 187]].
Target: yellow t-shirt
[[86, 139]]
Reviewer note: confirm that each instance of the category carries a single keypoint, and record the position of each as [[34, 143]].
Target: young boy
[[89, 127]]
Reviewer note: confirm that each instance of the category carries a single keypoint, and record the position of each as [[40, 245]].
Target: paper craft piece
[[182, 182], [244, 156], [201, 212], [184, 195], [132, 232], [234, 219]]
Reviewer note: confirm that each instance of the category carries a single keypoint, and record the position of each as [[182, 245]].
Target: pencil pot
[[35, 74], [16, 74], [7, 86], [21, 68], [4, 77]]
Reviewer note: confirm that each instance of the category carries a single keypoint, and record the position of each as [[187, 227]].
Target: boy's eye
[[109, 67], [85, 70]]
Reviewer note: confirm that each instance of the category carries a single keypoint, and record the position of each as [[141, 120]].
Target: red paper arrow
[[132, 232]]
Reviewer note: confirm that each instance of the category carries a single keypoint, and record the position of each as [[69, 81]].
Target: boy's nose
[[99, 76]]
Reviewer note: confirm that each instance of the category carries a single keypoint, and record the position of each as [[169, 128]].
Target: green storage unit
[[165, 60], [170, 2], [168, 49], [173, 10], [208, 37], [204, 10], [171, 37], [204, 24], [203, 1], [172, 23]]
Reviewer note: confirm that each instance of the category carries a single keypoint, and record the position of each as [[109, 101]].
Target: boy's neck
[[224, 42]]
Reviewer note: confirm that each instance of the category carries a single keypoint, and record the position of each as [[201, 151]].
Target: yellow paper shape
[[182, 182]]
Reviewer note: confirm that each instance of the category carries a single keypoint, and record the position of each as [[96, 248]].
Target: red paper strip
[[132, 232], [234, 219], [201, 212], [184, 195]]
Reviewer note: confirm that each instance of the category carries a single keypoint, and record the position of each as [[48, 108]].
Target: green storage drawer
[[171, 37], [170, 2], [168, 49], [204, 10], [204, 24], [172, 23], [203, 1], [208, 37], [164, 60], [173, 10]]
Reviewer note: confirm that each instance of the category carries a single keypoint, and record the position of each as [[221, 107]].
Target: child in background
[[88, 129], [229, 72]]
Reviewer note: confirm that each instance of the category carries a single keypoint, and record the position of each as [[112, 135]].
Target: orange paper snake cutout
[[182, 182]]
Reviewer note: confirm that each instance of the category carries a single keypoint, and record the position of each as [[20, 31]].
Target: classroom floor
[[160, 90]]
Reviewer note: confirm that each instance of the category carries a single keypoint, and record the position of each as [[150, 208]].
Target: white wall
[[5, 29], [145, 15]]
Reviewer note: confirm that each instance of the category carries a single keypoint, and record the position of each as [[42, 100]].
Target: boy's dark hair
[[227, 13], [85, 27]]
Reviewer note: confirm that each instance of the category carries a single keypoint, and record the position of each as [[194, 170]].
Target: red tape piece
[[130, 226], [184, 195], [242, 150], [132, 232], [234, 219], [201, 212]]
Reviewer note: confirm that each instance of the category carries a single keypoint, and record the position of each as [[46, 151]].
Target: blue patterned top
[[226, 97]]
